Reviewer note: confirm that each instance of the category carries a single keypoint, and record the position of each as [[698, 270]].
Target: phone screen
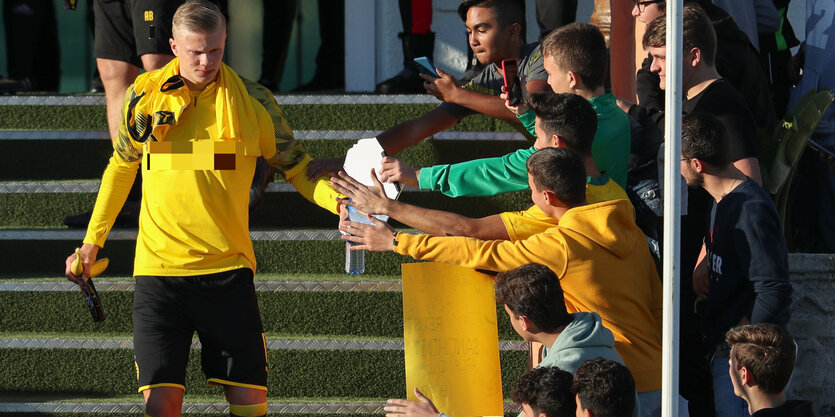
[[511, 82]]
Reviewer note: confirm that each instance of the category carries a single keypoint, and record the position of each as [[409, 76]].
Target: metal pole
[[672, 210]]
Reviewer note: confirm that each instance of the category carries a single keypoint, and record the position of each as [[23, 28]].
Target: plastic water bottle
[[354, 259]]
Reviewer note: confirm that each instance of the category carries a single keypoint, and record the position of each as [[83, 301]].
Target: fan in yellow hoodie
[[597, 251]]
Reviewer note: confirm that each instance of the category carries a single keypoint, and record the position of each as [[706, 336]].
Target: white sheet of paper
[[360, 159]]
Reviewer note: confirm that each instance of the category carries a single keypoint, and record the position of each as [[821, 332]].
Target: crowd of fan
[[578, 270]]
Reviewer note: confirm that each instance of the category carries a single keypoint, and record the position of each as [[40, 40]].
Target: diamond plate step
[[282, 99], [299, 134], [193, 408], [285, 344], [261, 286]]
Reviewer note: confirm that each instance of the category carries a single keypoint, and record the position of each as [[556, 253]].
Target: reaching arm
[[480, 177], [409, 133], [373, 200]]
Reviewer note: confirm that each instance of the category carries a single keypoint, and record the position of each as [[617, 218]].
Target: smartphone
[[511, 82], [425, 66], [828, 151]]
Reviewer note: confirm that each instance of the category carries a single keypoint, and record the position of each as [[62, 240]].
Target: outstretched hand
[[395, 170], [371, 200], [423, 407], [376, 237]]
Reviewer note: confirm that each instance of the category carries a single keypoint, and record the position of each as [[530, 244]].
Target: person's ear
[[694, 57], [527, 324], [698, 164], [557, 142], [745, 376], [173, 46], [573, 79], [515, 30], [551, 198]]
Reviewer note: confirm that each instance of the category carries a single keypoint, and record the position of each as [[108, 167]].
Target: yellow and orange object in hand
[[91, 296]]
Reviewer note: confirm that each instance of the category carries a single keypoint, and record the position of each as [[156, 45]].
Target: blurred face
[[489, 41], [645, 13], [558, 78], [200, 55], [659, 63]]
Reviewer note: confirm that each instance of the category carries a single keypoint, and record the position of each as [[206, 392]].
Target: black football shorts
[[128, 29], [222, 308]]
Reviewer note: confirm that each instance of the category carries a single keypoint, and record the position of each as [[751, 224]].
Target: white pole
[[672, 210]]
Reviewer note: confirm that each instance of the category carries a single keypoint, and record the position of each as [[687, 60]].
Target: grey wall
[[813, 327]]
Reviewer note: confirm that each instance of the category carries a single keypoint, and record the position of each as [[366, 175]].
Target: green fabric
[[613, 140], [480, 177], [491, 176], [528, 119], [781, 40]]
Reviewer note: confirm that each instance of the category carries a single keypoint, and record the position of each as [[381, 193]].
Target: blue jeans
[[726, 403]]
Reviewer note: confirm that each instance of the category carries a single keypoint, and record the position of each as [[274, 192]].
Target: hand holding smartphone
[[425, 66], [511, 82]]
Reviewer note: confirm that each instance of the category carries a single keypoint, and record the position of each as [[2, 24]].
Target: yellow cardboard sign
[[451, 339]]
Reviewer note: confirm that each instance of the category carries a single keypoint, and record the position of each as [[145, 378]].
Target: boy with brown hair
[[761, 364]]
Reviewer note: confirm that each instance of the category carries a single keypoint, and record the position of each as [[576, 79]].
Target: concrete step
[[41, 253], [313, 306], [293, 372]]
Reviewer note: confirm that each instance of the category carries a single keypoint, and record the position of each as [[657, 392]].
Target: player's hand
[[405, 408], [88, 258], [376, 237], [701, 281], [395, 170], [371, 200], [517, 110], [326, 166], [444, 88]]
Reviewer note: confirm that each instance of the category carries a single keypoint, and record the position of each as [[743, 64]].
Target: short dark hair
[[768, 351], [579, 47], [697, 32], [605, 387], [559, 170], [533, 291], [546, 390], [506, 12], [568, 116], [704, 136]]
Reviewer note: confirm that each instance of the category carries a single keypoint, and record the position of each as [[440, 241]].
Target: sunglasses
[[642, 4]]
